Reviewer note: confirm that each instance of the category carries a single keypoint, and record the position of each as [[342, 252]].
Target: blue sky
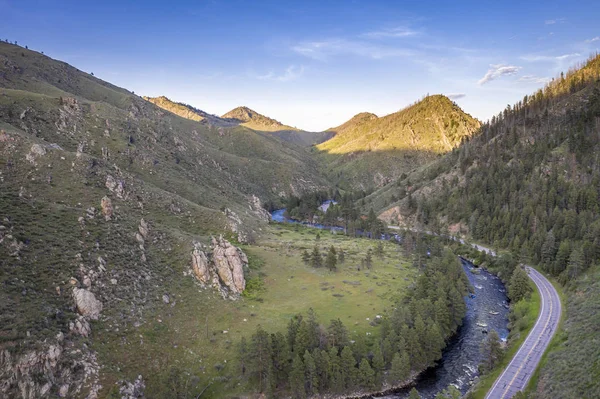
[[314, 64]]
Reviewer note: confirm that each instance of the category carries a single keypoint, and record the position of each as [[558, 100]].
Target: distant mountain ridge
[[254, 120], [187, 111]]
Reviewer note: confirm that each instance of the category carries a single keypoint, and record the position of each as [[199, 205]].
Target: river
[[462, 355]]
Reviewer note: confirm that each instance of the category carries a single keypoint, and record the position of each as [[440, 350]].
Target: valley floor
[[196, 335]]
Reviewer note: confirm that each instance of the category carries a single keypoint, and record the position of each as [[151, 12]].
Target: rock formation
[[223, 268], [107, 208], [87, 304]]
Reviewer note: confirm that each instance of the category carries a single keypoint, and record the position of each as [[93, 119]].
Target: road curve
[[518, 372]]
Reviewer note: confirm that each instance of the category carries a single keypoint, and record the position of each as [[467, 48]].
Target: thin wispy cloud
[[498, 70], [549, 58], [594, 39], [391, 33], [533, 79], [325, 49], [456, 96], [554, 21], [292, 72]]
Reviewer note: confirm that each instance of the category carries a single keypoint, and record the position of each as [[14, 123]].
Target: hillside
[[106, 203], [528, 183], [369, 151], [187, 111], [252, 119]]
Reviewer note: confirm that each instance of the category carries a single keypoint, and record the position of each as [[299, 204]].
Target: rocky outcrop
[[230, 262], [80, 327], [257, 208], [86, 303], [107, 208], [58, 369], [132, 390], [223, 268], [36, 151], [200, 264], [115, 186]]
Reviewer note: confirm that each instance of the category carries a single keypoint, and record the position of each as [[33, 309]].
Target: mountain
[[252, 119], [369, 151], [187, 111], [528, 184], [107, 202]]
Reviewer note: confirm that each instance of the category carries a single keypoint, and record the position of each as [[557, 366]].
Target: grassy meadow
[[204, 344]]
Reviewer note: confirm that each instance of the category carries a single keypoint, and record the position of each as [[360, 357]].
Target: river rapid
[[487, 310]]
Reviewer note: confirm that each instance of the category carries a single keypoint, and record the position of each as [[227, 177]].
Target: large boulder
[[87, 304], [107, 208], [200, 264], [223, 268]]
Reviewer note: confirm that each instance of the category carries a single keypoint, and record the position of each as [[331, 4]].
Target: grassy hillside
[[187, 111], [70, 144], [369, 151]]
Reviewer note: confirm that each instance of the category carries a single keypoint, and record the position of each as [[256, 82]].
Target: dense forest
[[311, 357], [532, 178]]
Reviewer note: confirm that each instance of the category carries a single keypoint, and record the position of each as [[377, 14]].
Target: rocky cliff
[[222, 268]]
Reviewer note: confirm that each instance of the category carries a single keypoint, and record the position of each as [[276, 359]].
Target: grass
[[530, 309], [199, 334]]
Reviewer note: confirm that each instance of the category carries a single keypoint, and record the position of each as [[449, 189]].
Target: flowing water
[[486, 310], [459, 363]]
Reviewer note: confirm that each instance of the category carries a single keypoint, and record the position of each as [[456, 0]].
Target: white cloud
[[554, 21], [594, 39], [392, 32], [497, 71], [534, 79], [547, 58], [292, 72], [323, 50], [456, 96]]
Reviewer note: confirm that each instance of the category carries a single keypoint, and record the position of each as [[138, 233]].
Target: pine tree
[[519, 287], [414, 394], [331, 259], [260, 363], [400, 370], [337, 334], [449, 393], [491, 350], [366, 375], [305, 257], [378, 363], [323, 365], [311, 378], [379, 250], [315, 259], [281, 358], [348, 368], [337, 384], [369, 259], [576, 263], [297, 377]]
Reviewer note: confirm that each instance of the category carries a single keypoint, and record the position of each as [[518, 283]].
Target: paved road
[[518, 372], [516, 376]]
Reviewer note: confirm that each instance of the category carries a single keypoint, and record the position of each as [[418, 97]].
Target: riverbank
[[461, 356]]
